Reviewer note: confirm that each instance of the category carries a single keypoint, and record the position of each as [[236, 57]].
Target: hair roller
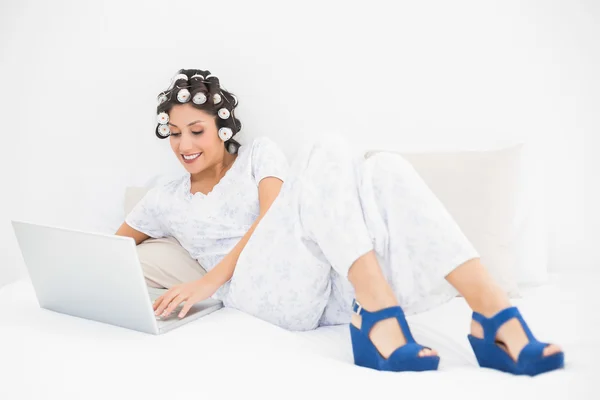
[[198, 90], [162, 131], [179, 80], [183, 95], [232, 146], [213, 87]]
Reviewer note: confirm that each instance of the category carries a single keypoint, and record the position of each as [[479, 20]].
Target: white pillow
[[531, 230], [133, 195], [480, 189]]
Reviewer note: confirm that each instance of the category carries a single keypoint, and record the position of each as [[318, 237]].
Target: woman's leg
[[153, 284], [485, 297], [413, 228], [332, 216], [374, 293], [277, 278], [166, 263]]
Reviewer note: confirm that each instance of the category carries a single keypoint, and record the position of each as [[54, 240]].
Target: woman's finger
[[167, 299], [186, 307], [176, 301], [157, 302]]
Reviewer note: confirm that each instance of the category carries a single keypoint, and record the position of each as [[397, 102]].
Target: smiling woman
[[336, 239], [198, 146], [197, 116]]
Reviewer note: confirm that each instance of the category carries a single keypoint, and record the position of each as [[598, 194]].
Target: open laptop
[[96, 276]]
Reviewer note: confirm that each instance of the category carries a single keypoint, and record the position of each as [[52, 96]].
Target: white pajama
[[334, 207]]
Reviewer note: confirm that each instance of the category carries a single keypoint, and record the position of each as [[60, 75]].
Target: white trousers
[[334, 207]]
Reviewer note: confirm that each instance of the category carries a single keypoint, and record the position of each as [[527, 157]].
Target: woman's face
[[194, 133]]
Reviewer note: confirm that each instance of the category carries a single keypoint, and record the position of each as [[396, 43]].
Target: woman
[[332, 239]]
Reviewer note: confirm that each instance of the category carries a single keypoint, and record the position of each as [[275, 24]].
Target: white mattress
[[229, 354]]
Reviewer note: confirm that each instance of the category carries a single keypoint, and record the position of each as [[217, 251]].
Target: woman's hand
[[190, 292]]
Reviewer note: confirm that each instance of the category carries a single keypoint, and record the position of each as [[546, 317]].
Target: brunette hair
[[209, 86]]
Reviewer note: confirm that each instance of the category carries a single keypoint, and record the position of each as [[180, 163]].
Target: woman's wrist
[[209, 282], [220, 274]]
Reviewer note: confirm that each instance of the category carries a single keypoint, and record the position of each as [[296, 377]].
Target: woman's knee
[[390, 162], [332, 155], [391, 170]]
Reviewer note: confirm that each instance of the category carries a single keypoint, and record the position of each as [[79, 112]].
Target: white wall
[[79, 83]]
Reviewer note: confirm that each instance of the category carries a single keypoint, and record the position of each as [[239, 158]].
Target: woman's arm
[[126, 230], [268, 189], [269, 171], [201, 289]]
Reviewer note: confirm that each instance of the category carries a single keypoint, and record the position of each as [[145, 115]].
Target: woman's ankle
[[372, 290], [489, 302], [376, 300]]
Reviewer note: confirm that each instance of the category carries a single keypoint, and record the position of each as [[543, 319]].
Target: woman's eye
[[179, 134]]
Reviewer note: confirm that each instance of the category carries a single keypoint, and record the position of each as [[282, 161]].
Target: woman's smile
[[191, 157]]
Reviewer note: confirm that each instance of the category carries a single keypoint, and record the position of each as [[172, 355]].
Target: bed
[[229, 354]]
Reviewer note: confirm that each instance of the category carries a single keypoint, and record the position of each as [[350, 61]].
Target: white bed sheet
[[229, 354]]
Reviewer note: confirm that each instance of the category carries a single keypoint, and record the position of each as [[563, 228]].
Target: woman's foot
[[510, 337], [484, 296], [387, 336], [374, 293]]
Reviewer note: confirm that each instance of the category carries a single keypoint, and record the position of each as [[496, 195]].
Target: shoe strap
[[370, 318], [532, 351], [491, 325]]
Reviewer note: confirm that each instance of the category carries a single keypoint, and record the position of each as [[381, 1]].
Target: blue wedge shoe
[[404, 358], [531, 360]]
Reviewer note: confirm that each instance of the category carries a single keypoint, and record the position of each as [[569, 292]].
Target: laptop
[[97, 277]]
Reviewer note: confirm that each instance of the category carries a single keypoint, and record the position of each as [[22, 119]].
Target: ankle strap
[[491, 325], [356, 307], [370, 318]]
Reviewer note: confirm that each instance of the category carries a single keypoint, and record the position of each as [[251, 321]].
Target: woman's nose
[[186, 142]]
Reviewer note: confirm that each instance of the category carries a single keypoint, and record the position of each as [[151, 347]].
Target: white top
[[209, 226]]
